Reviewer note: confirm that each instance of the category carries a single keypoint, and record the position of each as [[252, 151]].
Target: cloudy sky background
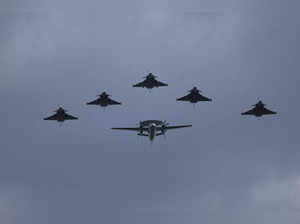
[[226, 168]]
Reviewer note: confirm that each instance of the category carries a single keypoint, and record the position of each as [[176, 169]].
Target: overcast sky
[[226, 169]]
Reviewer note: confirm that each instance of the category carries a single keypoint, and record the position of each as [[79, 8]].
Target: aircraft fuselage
[[152, 131], [103, 103]]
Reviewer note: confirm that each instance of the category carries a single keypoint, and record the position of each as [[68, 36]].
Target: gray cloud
[[226, 168]]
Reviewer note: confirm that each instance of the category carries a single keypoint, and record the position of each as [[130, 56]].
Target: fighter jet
[[259, 110], [152, 128], [103, 101], [194, 96], [61, 116], [150, 82]]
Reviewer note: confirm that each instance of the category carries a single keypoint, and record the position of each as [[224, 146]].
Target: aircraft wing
[[145, 135], [70, 117], [112, 102], [94, 102], [185, 98], [158, 83], [266, 111], [140, 84], [250, 112], [53, 117], [130, 129], [202, 98], [174, 127]]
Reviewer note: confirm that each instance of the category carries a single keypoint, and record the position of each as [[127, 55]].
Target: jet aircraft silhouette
[[103, 101], [152, 128], [259, 110], [61, 116], [150, 82], [194, 96]]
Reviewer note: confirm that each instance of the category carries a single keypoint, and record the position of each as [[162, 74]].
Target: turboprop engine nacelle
[[163, 127]]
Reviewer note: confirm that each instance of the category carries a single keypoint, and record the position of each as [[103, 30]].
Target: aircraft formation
[[153, 128]]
